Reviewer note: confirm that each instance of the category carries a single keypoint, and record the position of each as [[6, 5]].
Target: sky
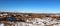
[[30, 6]]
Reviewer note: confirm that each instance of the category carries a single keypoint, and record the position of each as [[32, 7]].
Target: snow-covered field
[[38, 22], [47, 21]]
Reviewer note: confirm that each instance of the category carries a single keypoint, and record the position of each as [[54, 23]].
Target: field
[[29, 19]]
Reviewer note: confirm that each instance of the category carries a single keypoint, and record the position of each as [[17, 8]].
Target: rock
[[11, 19]]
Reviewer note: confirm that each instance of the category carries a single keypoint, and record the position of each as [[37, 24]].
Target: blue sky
[[34, 6]]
